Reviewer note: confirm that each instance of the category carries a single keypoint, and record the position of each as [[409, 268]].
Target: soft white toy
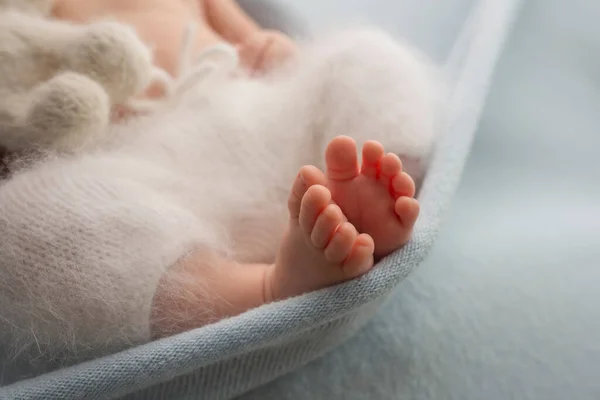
[[60, 81]]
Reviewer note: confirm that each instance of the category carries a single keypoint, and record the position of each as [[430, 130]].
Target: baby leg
[[320, 247], [64, 114], [85, 240]]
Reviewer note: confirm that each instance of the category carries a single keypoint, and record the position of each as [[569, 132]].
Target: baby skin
[[216, 21], [341, 223]]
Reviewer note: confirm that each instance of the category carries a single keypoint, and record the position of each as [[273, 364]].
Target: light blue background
[[508, 304]]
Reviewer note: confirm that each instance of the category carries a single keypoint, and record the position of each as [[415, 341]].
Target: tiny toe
[[341, 159], [371, 158], [403, 185], [361, 258], [307, 177], [391, 166], [326, 226], [407, 209], [341, 243], [314, 201]]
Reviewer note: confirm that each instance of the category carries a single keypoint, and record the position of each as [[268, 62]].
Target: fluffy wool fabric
[[58, 81], [86, 238]]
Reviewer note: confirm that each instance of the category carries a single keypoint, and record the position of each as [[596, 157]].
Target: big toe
[[341, 159]]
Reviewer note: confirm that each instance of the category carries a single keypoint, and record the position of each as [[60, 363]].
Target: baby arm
[[260, 49], [217, 21]]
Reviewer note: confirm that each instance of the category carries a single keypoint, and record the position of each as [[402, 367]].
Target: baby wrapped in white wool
[[178, 218]]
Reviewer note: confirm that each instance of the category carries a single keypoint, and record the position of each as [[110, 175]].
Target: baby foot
[[377, 198], [320, 247]]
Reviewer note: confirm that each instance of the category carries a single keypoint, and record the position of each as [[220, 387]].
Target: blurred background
[[507, 306]]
